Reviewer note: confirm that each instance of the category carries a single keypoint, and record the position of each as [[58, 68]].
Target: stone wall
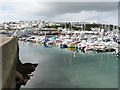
[[8, 51]]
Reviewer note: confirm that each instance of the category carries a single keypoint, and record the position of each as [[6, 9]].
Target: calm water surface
[[59, 68]]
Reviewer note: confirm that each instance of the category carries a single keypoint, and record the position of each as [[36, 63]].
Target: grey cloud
[[58, 8], [62, 11]]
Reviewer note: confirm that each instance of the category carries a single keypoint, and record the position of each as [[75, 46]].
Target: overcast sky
[[100, 12]]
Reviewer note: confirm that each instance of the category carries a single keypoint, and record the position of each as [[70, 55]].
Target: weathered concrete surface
[[8, 60], [4, 40], [0, 64]]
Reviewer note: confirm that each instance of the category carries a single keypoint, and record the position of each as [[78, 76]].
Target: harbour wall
[[8, 62]]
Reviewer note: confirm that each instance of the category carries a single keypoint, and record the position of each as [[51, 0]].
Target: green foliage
[[89, 26], [77, 27]]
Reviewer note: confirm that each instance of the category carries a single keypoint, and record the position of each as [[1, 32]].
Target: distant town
[[40, 27]]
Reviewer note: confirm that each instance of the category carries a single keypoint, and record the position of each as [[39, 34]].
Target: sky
[[98, 11]]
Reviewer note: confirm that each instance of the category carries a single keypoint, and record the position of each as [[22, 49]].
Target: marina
[[68, 58], [59, 44], [79, 41]]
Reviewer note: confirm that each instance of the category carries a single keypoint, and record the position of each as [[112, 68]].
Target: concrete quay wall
[[8, 62]]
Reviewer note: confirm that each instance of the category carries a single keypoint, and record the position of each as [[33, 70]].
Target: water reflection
[[68, 68]]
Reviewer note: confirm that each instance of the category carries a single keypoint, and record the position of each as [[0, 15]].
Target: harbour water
[[59, 68]]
